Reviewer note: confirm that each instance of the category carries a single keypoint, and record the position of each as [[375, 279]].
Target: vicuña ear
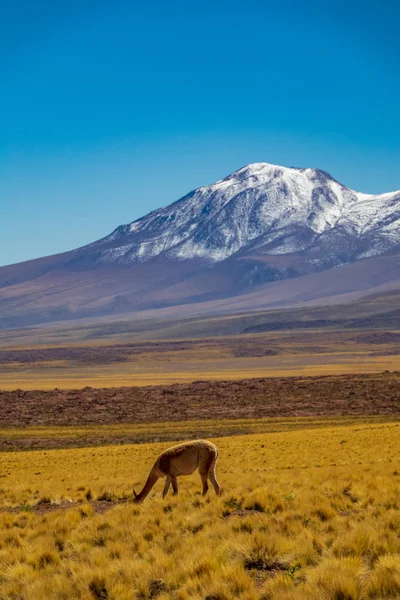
[[135, 494]]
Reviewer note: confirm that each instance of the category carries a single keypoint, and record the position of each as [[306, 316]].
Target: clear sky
[[111, 109]]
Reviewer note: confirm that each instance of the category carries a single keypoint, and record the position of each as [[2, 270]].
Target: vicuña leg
[[174, 481], [204, 481], [214, 481], [166, 486]]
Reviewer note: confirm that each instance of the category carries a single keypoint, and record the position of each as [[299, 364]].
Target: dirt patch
[[99, 506], [241, 512]]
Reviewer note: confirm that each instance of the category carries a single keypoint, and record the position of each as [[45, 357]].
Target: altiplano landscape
[[308, 462], [199, 300], [303, 404], [308, 468]]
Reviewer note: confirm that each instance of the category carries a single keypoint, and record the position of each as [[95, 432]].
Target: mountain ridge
[[254, 205], [255, 229]]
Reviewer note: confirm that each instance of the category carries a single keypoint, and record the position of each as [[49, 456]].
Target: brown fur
[[183, 459]]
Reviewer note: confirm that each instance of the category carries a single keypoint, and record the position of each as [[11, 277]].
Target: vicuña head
[[183, 459]]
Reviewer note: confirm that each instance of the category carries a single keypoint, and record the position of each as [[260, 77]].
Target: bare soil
[[339, 395], [99, 506]]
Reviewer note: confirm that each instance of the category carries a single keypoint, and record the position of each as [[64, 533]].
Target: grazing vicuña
[[183, 459]]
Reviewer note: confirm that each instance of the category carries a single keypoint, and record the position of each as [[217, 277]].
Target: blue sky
[[112, 109]]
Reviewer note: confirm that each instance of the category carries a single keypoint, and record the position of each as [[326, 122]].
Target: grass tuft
[[98, 589]]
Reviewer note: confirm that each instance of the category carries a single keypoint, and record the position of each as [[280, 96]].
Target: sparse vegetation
[[156, 412], [70, 363], [302, 516]]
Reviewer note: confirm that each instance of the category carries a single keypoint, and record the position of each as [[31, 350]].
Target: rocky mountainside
[[245, 235], [262, 209]]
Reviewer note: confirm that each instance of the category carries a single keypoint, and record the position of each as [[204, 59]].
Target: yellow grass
[[305, 514], [141, 373], [46, 437]]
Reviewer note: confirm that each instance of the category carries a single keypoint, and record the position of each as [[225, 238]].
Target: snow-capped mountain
[[265, 236], [264, 209]]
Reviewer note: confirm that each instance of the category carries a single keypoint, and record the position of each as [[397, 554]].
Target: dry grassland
[[128, 375], [101, 364], [47, 438], [305, 514]]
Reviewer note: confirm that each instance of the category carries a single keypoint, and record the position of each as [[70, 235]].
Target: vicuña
[[183, 459]]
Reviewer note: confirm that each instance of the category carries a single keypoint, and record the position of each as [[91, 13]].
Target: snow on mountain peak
[[260, 208], [258, 168]]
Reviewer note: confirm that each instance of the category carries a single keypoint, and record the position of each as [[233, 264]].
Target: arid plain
[[105, 363], [306, 417]]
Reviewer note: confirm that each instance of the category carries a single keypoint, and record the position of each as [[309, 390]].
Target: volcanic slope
[[268, 235]]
